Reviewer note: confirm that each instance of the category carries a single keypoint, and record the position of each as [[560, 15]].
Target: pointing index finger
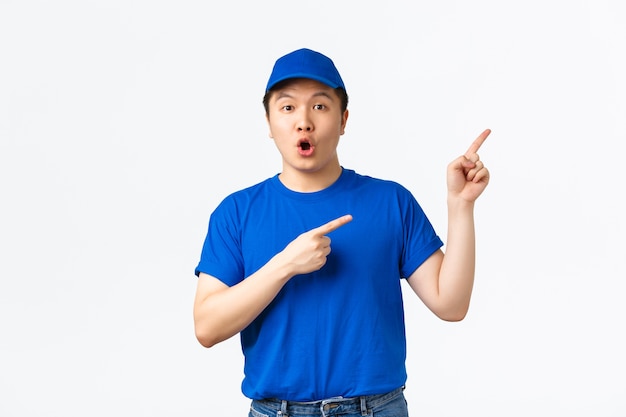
[[477, 143], [334, 224]]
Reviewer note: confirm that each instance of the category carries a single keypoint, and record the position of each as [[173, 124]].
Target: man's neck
[[309, 182]]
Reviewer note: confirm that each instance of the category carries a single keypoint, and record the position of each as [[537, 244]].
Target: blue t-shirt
[[339, 330]]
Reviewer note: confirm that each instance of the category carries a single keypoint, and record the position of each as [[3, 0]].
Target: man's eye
[[319, 107], [287, 108]]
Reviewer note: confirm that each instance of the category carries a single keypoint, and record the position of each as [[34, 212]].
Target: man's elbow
[[207, 339], [453, 315]]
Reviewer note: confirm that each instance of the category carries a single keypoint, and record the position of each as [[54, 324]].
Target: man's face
[[305, 120]]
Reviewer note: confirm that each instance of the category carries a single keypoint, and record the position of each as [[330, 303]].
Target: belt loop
[[363, 406], [283, 409]]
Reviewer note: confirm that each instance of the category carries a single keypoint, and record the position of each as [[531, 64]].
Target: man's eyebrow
[[323, 94], [284, 94]]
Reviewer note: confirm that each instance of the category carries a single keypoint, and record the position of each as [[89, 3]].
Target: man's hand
[[467, 176], [308, 252]]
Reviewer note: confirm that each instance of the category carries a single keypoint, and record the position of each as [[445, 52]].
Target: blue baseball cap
[[305, 63]]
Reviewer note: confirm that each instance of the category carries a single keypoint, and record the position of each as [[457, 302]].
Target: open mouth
[[306, 148]]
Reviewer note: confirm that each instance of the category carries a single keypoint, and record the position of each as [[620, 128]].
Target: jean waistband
[[336, 405]]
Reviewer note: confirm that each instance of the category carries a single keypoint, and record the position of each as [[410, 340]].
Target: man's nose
[[304, 123]]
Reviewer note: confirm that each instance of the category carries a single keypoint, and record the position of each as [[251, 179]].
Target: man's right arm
[[221, 311]]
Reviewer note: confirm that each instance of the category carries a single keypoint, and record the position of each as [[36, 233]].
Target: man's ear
[[269, 127], [344, 120]]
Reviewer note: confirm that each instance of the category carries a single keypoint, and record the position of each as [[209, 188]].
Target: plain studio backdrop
[[124, 123]]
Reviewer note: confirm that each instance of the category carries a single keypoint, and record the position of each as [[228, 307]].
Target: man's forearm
[[456, 277], [221, 314]]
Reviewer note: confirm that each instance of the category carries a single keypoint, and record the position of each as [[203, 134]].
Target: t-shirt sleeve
[[221, 255], [420, 238]]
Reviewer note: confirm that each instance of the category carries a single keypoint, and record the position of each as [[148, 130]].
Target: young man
[[323, 331]]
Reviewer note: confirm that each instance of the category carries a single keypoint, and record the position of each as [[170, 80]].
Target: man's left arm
[[444, 282]]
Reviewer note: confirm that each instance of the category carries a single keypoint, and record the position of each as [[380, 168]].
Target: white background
[[123, 123]]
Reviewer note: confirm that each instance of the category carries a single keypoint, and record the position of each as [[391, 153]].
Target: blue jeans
[[392, 404]]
